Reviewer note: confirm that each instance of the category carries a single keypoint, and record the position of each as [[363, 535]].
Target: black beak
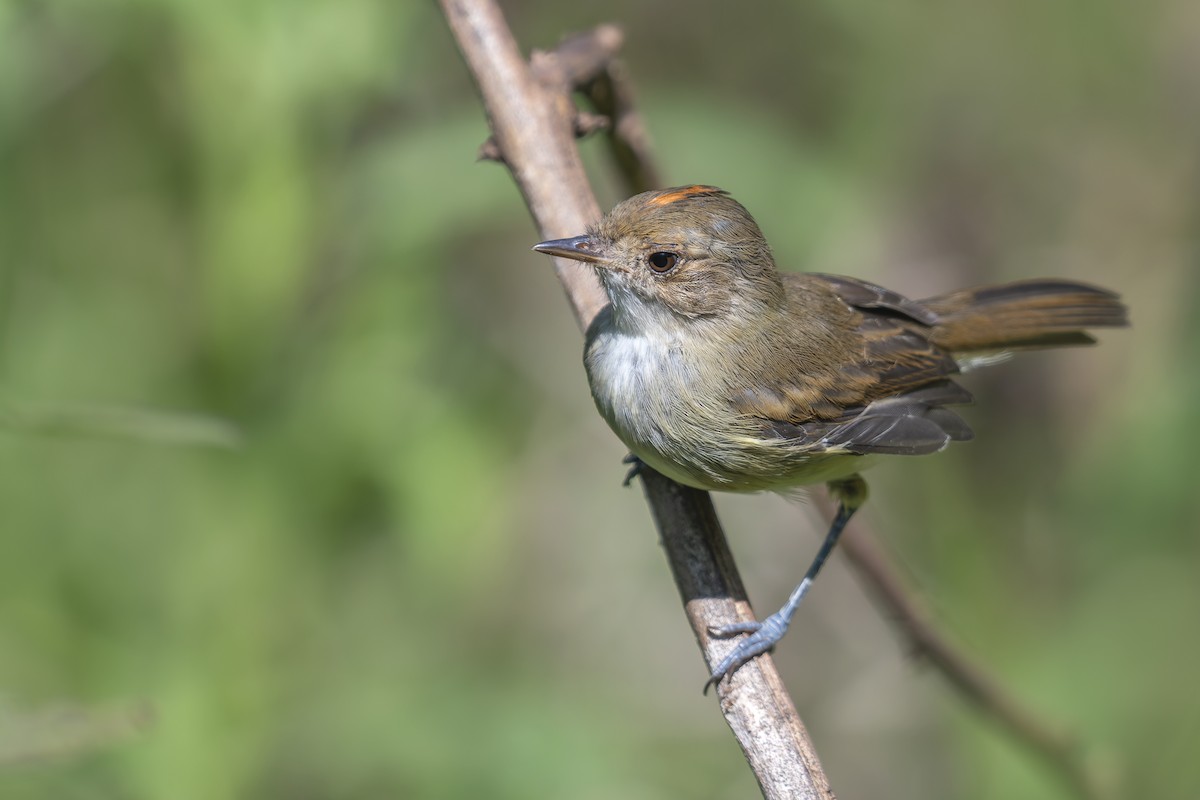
[[577, 248]]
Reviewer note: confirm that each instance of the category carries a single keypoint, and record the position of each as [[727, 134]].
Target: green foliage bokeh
[[301, 492]]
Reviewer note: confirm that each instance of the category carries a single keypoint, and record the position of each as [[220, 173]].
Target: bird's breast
[[657, 397], [639, 383], [670, 407]]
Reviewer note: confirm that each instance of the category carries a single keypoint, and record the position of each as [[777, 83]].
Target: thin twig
[[531, 115], [579, 58], [611, 94]]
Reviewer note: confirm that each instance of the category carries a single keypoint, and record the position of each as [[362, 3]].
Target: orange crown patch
[[675, 195]]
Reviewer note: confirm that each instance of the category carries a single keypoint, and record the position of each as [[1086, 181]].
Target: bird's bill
[[577, 248]]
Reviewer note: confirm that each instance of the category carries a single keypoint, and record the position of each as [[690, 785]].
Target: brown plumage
[[721, 373], [724, 374], [907, 350]]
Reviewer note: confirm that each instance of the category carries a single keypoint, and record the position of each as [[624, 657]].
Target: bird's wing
[[888, 395], [873, 297], [910, 424]]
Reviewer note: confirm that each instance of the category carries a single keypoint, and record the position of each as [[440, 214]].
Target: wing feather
[[890, 397]]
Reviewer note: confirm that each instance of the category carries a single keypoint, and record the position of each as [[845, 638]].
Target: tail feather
[[1046, 312]]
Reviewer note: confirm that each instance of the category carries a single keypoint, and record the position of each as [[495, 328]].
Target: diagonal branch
[[531, 113]]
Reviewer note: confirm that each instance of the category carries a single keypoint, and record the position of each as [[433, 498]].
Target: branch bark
[[531, 116]]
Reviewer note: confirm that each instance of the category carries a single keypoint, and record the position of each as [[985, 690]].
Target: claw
[[635, 468], [762, 639], [727, 631]]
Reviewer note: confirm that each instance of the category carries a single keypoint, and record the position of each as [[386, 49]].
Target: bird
[[723, 373]]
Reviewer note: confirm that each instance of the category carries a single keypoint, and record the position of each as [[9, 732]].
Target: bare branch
[[530, 122], [584, 125], [579, 58], [531, 116]]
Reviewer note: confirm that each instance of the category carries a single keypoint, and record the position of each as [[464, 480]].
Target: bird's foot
[[635, 468], [851, 492], [762, 639]]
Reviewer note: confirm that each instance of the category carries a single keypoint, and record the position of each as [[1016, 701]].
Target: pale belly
[[816, 469], [652, 398]]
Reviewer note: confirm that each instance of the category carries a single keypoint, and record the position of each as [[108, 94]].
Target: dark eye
[[663, 262]]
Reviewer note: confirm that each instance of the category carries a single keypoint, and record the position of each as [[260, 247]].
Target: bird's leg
[[851, 493], [635, 468]]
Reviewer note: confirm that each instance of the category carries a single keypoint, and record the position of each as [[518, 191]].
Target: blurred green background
[[301, 491]]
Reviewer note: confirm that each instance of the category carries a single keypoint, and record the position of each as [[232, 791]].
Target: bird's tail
[[1046, 312]]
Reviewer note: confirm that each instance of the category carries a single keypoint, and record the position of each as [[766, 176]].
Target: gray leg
[[851, 493]]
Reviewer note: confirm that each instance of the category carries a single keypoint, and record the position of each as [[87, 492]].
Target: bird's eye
[[663, 262]]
